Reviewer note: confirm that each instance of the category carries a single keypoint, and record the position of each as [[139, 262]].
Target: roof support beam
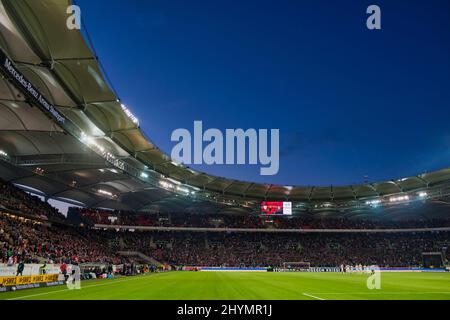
[[267, 191], [354, 192], [427, 183], [397, 185], [212, 181], [228, 186], [248, 188], [373, 188], [311, 193]]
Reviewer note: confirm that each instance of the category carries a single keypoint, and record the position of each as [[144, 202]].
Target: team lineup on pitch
[[250, 286]]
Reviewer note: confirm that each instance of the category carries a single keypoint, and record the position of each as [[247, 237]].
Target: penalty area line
[[312, 296]]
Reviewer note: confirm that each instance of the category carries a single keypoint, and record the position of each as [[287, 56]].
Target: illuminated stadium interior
[[66, 136], [97, 155]]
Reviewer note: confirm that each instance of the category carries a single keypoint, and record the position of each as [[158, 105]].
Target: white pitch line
[[338, 293], [38, 294], [83, 287], [311, 296]]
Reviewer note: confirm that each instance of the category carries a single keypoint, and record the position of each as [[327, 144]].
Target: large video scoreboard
[[276, 208]]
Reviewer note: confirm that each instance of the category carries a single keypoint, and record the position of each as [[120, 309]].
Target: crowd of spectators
[[247, 221], [260, 249], [29, 240], [16, 199], [24, 240]]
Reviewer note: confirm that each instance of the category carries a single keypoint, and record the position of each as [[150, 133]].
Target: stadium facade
[[66, 134]]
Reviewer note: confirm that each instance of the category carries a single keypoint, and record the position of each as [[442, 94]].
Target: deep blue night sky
[[349, 102]]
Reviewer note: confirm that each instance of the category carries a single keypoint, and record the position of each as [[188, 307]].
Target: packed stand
[[250, 249], [13, 198], [24, 240], [248, 221]]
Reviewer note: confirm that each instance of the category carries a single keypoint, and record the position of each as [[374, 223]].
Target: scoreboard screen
[[276, 208]]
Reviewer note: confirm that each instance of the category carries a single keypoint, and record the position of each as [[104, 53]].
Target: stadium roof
[[92, 150]]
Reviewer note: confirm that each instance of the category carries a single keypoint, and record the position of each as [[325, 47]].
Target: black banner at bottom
[[229, 309]]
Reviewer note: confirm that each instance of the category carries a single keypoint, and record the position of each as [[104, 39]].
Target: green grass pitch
[[246, 285]]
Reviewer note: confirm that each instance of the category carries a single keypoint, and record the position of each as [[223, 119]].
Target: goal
[[297, 266]]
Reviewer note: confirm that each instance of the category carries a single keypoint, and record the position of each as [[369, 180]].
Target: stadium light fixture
[[144, 175], [106, 193], [3, 153], [174, 181], [175, 187], [183, 189], [374, 203], [399, 198], [166, 185], [423, 194], [130, 115]]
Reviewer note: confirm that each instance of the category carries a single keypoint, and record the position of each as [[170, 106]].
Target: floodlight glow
[[183, 189], [373, 202], [166, 185], [3, 153], [174, 181], [106, 193], [130, 115], [400, 198], [144, 175], [175, 187], [423, 194]]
